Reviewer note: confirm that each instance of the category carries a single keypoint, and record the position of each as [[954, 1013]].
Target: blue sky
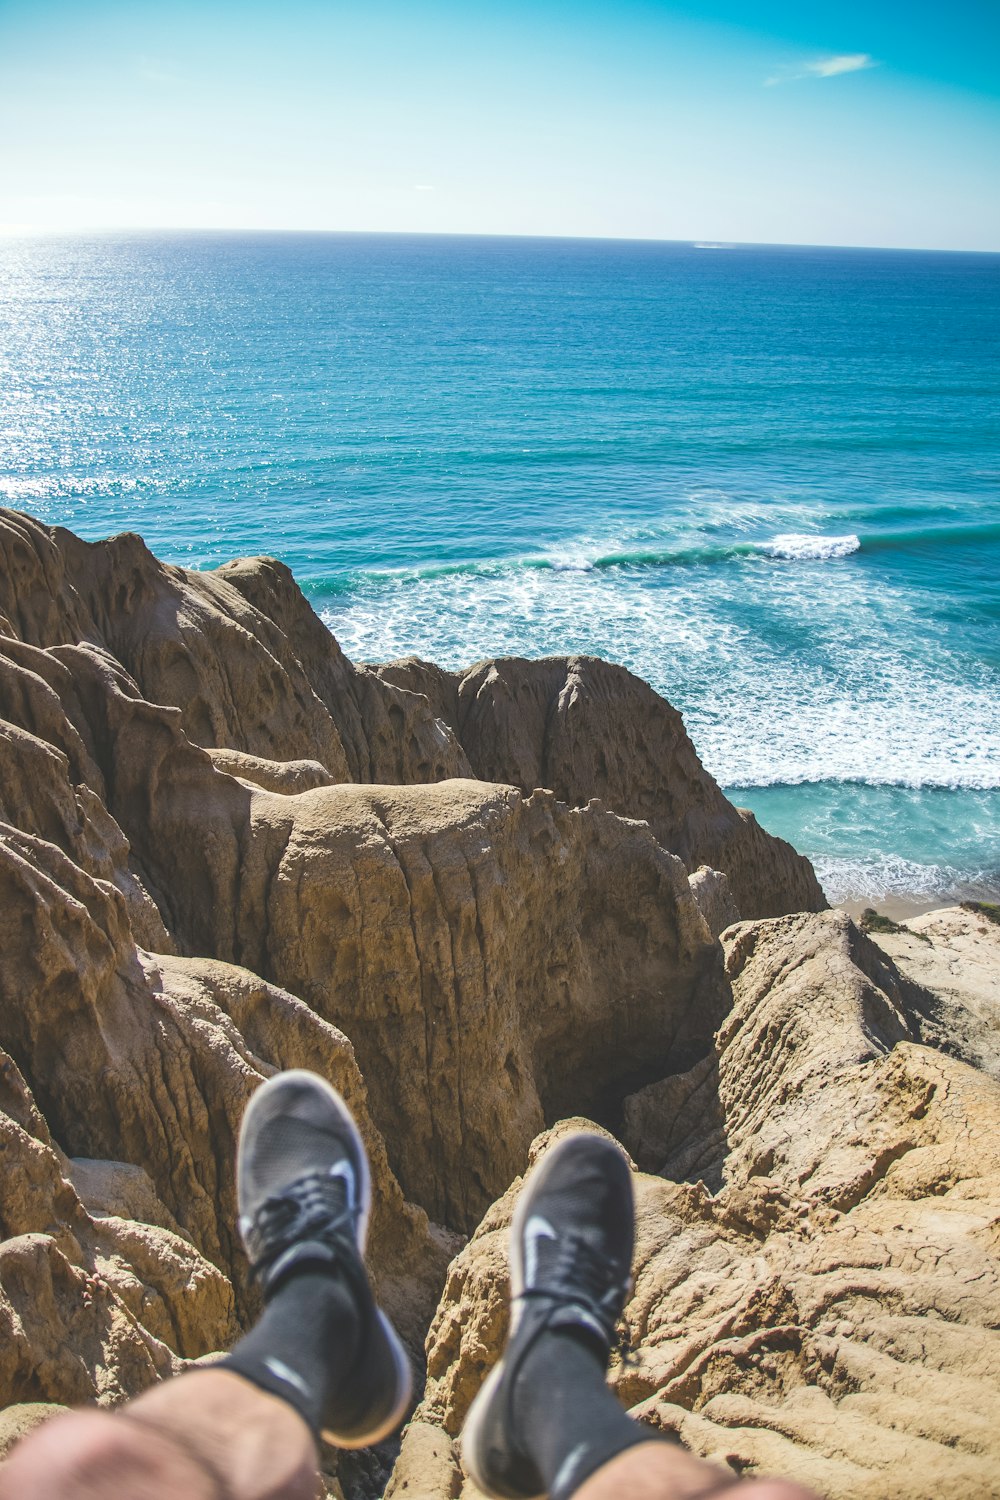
[[829, 123]]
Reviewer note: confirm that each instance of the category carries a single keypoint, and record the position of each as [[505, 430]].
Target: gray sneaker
[[570, 1259], [305, 1196]]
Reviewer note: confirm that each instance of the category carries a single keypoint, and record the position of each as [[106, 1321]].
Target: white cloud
[[826, 67], [844, 62], [423, 187]]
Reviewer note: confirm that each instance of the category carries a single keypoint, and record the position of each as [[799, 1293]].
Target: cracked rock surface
[[587, 728], [479, 904], [830, 1312]]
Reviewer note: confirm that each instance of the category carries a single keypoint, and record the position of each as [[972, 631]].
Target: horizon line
[[27, 231]]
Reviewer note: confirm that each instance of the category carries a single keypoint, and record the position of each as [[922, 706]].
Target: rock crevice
[[479, 903]]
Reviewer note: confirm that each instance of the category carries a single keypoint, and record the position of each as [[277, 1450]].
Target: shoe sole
[[404, 1374], [404, 1393], [476, 1417]]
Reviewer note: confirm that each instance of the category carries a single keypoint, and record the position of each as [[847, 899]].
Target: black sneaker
[[305, 1195], [570, 1258]]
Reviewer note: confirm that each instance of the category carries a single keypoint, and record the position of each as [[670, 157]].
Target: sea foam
[[780, 682], [879, 877], [799, 547]]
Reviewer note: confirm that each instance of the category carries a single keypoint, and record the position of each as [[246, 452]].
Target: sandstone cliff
[[586, 728], [830, 1312], [225, 849], [478, 904]]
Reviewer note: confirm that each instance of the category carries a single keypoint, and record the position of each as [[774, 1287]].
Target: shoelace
[[313, 1207], [579, 1278]]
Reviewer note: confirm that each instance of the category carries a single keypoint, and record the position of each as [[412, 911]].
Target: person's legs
[[545, 1421], [323, 1361], [322, 1345]]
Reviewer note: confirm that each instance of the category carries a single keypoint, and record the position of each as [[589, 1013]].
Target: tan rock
[[830, 1314], [496, 959], [710, 889], [953, 957], [143, 1060], [90, 1308], [37, 599], [676, 1126], [285, 776], [117, 1189], [496, 956], [51, 786], [224, 849], [387, 732], [526, 956], [237, 651], [584, 729]]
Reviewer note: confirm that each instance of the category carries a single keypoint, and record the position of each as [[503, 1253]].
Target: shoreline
[[896, 908], [900, 908]]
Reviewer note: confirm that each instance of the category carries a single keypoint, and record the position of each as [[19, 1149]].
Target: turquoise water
[[765, 479]]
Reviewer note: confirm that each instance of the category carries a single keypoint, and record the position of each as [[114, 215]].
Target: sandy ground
[[896, 908]]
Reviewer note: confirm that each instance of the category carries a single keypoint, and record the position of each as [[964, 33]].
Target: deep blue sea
[[766, 479]]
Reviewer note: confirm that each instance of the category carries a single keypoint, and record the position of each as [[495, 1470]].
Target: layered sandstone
[[586, 728], [478, 903], [224, 850], [830, 1312]]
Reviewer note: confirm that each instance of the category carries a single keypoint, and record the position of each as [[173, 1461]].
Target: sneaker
[[305, 1196], [570, 1258]]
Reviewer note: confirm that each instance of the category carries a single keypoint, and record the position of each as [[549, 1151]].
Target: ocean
[[766, 479]]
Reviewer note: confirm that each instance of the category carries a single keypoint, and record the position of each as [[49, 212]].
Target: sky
[[836, 122]]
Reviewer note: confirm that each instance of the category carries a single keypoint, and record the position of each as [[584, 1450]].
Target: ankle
[[561, 1363], [306, 1345]]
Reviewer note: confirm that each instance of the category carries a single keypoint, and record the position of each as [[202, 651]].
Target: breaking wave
[[795, 546]]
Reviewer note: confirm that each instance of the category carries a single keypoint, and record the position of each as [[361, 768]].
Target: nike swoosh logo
[[346, 1171], [288, 1375], [536, 1229]]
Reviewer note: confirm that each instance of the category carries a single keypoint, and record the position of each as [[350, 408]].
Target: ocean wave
[[785, 683], [923, 774], [882, 876], [791, 547], [796, 546], [595, 555], [787, 730], [920, 537], [557, 561]]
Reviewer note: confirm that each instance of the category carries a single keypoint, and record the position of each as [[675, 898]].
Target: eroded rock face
[[584, 729], [495, 957], [224, 849], [952, 958], [830, 1314], [91, 1307], [150, 1060], [710, 889], [237, 651], [138, 1066], [203, 878]]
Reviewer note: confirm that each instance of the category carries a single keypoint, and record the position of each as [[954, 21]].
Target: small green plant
[[988, 909], [871, 920]]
